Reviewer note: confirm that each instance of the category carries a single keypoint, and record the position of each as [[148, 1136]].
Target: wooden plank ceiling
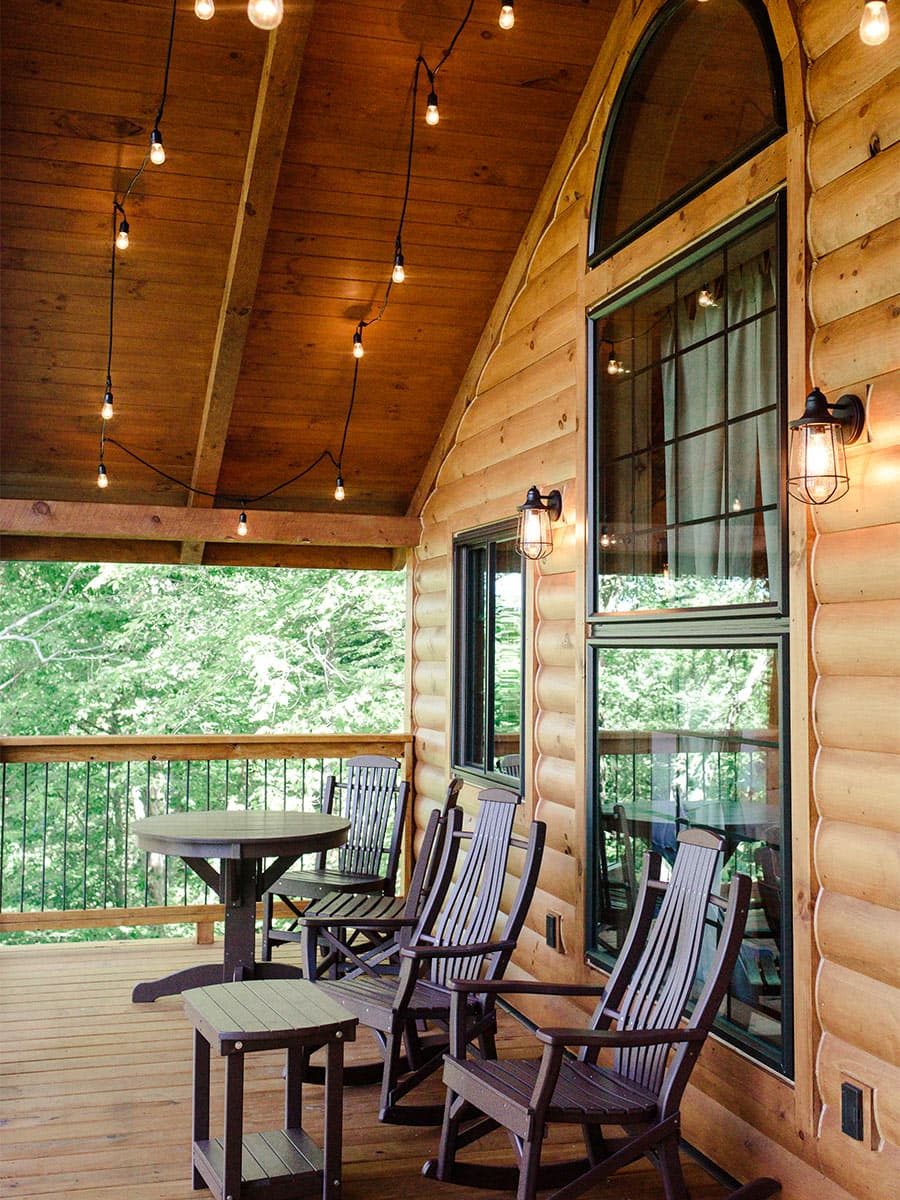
[[232, 362]]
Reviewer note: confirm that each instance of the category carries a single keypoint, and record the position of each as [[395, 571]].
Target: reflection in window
[[489, 622], [687, 434], [689, 735], [702, 98]]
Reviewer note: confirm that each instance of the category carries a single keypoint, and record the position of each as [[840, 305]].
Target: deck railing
[[67, 857]]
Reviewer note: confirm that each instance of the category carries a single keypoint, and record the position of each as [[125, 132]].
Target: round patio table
[[240, 842]]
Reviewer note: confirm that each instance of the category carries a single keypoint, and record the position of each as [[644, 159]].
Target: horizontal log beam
[[199, 747], [147, 522]]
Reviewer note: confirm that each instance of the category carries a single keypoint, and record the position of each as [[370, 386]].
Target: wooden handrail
[[198, 747]]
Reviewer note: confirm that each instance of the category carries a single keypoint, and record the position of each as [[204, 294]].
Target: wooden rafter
[[59, 518], [274, 105]]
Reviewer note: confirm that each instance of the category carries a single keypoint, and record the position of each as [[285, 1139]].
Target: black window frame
[[776, 207], [484, 538], [765, 624], [599, 253]]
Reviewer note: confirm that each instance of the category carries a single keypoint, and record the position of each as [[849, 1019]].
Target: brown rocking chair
[[344, 932], [461, 945], [375, 806], [646, 995]]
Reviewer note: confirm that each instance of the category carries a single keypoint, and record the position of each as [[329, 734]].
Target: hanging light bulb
[[106, 412], [339, 488], [122, 235], [432, 116], [204, 9], [265, 14], [706, 299], [398, 274], [606, 539], [102, 477], [507, 15], [875, 24], [157, 149], [242, 524], [358, 348], [613, 365]]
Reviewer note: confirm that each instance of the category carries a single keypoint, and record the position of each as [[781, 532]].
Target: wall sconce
[[534, 539], [818, 466]]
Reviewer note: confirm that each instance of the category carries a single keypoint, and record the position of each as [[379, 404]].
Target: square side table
[[271, 1014]]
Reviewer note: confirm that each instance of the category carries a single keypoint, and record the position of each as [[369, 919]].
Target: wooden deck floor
[[96, 1090]]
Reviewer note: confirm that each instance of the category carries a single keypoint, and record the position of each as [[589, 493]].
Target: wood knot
[[155, 520], [41, 508], [874, 145]]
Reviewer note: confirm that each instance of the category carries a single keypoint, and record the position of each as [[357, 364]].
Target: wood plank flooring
[[95, 1091]]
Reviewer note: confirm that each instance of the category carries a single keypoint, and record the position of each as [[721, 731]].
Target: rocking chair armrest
[[522, 987], [622, 1039], [426, 952]]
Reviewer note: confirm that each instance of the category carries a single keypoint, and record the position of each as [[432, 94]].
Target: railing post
[[206, 933]]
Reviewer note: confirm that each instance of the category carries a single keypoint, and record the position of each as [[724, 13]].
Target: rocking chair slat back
[[473, 903], [370, 802], [657, 990]]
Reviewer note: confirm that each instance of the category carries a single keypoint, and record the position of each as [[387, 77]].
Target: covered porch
[[340, 331]]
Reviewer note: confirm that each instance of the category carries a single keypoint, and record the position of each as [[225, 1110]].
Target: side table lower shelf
[[280, 1164]]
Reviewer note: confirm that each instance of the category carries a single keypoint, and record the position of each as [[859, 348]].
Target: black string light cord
[[118, 210]]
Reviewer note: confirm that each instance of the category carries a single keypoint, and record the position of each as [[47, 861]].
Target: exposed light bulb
[[157, 149], [875, 24], [102, 477], [358, 348], [432, 116], [613, 366], [339, 488], [737, 506], [398, 274], [265, 14], [605, 540], [705, 299], [204, 9], [122, 235], [507, 15], [106, 412], [242, 525]]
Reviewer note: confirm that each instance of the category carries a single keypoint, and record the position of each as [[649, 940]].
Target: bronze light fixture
[[817, 473], [534, 538]]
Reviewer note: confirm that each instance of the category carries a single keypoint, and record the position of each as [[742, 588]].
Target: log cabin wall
[[854, 243], [519, 419]]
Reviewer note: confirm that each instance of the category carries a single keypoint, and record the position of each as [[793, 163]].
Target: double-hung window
[[688, 599], [489, 607]]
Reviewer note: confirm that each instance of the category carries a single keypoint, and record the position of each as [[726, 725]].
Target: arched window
[[702, 94]]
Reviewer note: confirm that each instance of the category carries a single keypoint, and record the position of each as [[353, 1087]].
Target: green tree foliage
[[150, 650], [134, 649]]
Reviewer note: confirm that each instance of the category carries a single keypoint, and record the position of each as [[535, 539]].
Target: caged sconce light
[[534, 538], [817, 473]]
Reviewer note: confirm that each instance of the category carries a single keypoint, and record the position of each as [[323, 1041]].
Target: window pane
[[690, 439], [476, 652], [701, 98], [689, 735], [489, 624], [507, 658]]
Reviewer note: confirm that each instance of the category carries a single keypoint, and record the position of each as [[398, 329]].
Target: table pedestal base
[[206, 975]]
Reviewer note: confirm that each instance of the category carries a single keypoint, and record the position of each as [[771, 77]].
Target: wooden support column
[[274, 105]]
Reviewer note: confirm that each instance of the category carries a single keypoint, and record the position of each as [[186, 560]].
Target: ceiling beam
[[148, 522], [274, 106], [217, 554]]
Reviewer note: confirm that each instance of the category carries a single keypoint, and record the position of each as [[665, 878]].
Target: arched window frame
[[757, 12]]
